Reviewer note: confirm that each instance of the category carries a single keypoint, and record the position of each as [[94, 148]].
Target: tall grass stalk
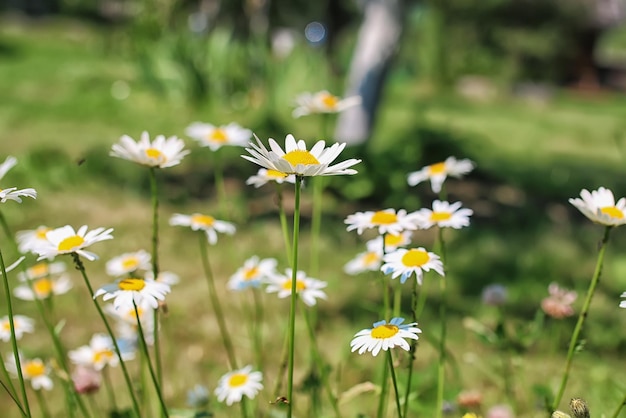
[[108, 385], [294, 295], [154, 192], [8, 391], [414, 314], [16, 353], [43, 405], [215, 301], [441, 366], [384, 386], [619, 407], [581, 318], [395, 383], [129, 384]]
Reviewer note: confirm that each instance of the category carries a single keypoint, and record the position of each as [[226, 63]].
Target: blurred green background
[[532, 91]]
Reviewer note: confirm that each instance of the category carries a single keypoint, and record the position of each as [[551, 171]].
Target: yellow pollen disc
[[7, 325], [384, 218], [299, 285], [612, 211], [300, 157], [276, 174], [237, 380], [415, 258], [43, 287], [218, 135], [41, 233], [130, 263], [370, 258], [392, 240], [384, 331], [205, 220], [154, 154], [102, 355], [131, 284], [70, 243], [330, 101], [440, 216], [439, 168], [251, 273], [34, 368], [38, 270]]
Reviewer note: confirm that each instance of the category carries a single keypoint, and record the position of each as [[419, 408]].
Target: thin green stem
[[409, 379], [95, 409], [320, 364], [382, 400], [16, 353], [217, 307], [220, 185], [619, 407], [283, 221], [81, 267], [244, 408], [258, 328], [283, 366], [12, 395], [45, 411], [581, 318], [12, 390], [316, 224], [395, 383], [294, 295], [109, 388], [153, 375], [442, 341], [155, 267]]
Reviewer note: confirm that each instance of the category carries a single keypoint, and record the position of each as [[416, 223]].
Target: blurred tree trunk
[[377, 42]]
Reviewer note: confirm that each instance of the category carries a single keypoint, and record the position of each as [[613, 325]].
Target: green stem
[[217, 308], [244, 407], [316, 224], [581, 318], [12, 395], [109, 388], [619, 407], [409, 379], [16, 353], [220, 185], [155, 267], [282, 367], [12, 392], [395, 383], [294, 295], [320, 364], [45, 412], [382, 400], [442, 341], [258, 328], [283, 221], [81, 267], [153, 375], [95, 409]]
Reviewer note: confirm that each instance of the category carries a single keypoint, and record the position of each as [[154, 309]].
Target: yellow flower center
[[275, 174], [34, 368], [102, 355], [251, 273], [238, 379], [300, 285], [384, 331], [298, 156], [204, 220], [6, 325], [71, 243], [440, 216], [131, 284], [415, 258], [38, 270], [43, 287], [384, 218], [393, 240], [439, 168], [218, 135], [41, 233], [370, 258], [155, 154], [330, 101], [613, 212], [130, 263]]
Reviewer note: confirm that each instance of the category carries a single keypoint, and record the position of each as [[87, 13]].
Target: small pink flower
[[86, 380], [500, 411], [559, 304]]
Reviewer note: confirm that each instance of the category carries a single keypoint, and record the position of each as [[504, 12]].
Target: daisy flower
[[99, 353], [444, 215], [559, 304], [166, 277], [600, 207], [127, 321], [216, 137], [21, 323], [392, 241], [43, 288], [8, 164], [403, 263], [206, 223], [322, 102], [128, 263], [28, 240], [297, 160], [161, 152], [34, 370], [65, 240], [369, 260], [307, 288], [438, 172], [387, 221], [126, 291], [234, 385], [12, 193], [384, 336], [264, 176], [623, 303], [42, 269], [253, 272]]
